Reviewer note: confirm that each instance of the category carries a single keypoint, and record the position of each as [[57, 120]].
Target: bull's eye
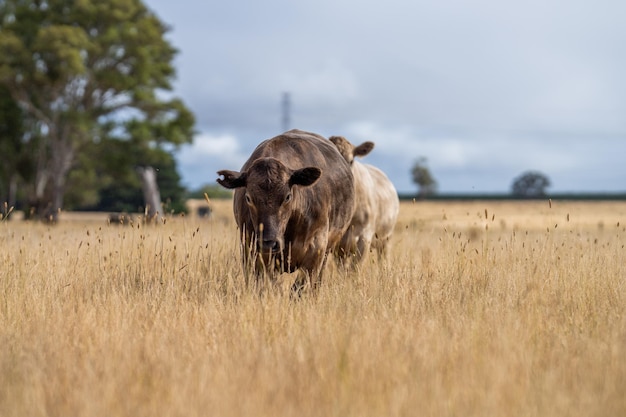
[[248, 200], [288, 197]]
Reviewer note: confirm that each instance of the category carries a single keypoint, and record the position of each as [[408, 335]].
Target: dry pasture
[[485, 308]]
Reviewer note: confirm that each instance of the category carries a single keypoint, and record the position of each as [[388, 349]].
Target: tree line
[[85, 99], [529, 184]]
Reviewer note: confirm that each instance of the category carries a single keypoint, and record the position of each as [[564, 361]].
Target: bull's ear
[[305, 176], [232, 179], [363, 149]]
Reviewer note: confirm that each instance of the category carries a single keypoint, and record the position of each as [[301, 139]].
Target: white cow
[[377, 206]]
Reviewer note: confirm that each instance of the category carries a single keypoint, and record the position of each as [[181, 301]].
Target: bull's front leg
[[316, 274], [313, 267]]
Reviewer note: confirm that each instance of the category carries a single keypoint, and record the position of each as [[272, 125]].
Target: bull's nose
[[271, 245]]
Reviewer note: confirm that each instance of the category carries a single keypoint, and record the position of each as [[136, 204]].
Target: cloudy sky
[[485, 90]]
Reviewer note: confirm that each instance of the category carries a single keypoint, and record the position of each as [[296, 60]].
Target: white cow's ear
[[305, 176], [232, 179], [363, 149]]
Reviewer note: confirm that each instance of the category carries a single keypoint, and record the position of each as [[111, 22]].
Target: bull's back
[[298, 149]]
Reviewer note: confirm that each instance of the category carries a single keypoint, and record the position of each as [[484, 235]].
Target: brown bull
[[293, 202], [377, 205]]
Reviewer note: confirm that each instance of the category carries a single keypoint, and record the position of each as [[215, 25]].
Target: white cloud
[[206, 145], [209, 153], [216, 145], [408, 143]]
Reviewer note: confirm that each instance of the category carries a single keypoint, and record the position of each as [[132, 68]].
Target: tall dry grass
[[513, 309]]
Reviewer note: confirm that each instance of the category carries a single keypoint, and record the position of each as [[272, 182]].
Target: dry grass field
[[484, 309]]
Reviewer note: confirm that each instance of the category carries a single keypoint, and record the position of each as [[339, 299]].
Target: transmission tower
[[286, 107]]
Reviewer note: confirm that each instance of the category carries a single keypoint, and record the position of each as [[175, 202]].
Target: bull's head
[[268, 190], [348, 150]]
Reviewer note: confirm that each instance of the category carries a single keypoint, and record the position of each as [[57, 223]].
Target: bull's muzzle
[[270, 246], [267, 240]]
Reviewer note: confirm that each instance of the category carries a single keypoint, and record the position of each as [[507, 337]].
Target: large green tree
[[11, 131], [84, 69], [16, 146]]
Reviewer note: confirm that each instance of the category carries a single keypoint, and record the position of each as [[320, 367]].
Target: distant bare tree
[[530, 184], [151, 193], [423, 178]]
